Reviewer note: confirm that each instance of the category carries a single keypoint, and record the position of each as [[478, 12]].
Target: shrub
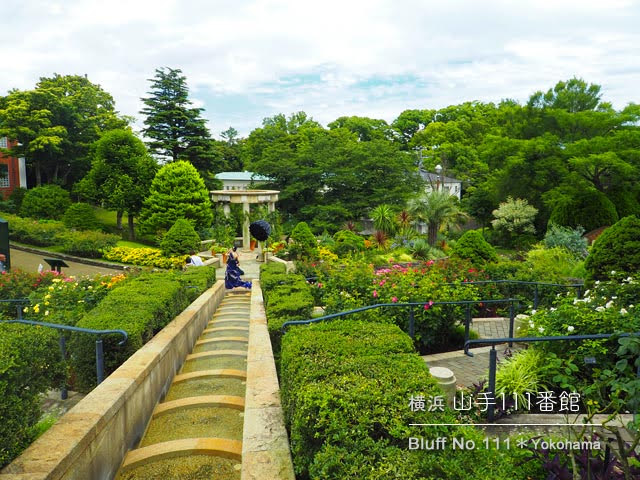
[[589, 209], [81, 216], [286, 297], [354, 379], [30, 364], [180, 239], [16, 197], [304, 242], [150, 257], [420, 248], [568, 238], [177, 191], [144, 307], [617, 249], [473, 247], [49, 201], [202, 278], [514, 221], [347, 241], [34, 232], [88, 243]]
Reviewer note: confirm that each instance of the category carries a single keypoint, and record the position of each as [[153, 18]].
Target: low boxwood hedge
[[142, 307], [286, 297], [346, 387], [30, 364]]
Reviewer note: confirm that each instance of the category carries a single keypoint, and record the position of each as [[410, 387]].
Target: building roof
[[247, 176], [434, 177]]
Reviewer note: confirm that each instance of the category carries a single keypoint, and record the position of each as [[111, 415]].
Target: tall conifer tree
[[175, 129]]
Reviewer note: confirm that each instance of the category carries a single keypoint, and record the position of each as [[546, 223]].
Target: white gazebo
[[246, 198]]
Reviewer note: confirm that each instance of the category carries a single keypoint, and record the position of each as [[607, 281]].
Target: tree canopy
[[55, 125], [175, 128]]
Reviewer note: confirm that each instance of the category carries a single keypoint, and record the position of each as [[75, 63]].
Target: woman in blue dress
[[232, 276]]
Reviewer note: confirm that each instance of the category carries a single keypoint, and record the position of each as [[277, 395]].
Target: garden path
[[470, 370], [248, 262], [29, 262]]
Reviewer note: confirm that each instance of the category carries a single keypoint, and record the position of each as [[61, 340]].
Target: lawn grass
[[106, 218], [129, 243]]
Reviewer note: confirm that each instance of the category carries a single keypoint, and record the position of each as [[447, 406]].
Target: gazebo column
[[246, 240], [226, 209], [272, 207]]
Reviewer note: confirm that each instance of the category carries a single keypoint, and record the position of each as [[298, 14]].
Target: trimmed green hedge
[[30, 364], [141, 307], [45, 233], [41, 233], [286, 297], [346, 387]]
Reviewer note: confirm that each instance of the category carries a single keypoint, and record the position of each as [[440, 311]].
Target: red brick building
[[13, 173]]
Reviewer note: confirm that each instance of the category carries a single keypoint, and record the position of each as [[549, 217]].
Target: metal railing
[[19, 302], [536, 292], [493, 356], [513, 302], [536, 286], [63, 342]]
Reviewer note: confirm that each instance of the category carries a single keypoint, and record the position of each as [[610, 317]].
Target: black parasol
[[260, 230]]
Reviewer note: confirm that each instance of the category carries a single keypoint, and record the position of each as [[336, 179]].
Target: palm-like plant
[[384, 219], [436, 209]]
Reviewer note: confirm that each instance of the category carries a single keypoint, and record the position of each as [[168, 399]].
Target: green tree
[[588, 208], [574, 95], [304, 244], [229, 150], [120, 176], [437, 209], [514, 220], [177, 191], [617, 250], [176, 129], [56, 123], [472, 246], [180, 239]]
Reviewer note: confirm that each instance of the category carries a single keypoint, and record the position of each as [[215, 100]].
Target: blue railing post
[[19, 311], [412, 324], [63, 352], [511, 319], [99, 361], [535, 296], [467, 322], [579, 292], [493, 360]]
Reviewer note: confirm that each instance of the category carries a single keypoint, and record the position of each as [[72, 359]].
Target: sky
[[245, 60]]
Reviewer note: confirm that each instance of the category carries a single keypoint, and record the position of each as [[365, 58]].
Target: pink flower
[[430, 262], [375, 294], [319, 285], [394, 299], [427, 306]]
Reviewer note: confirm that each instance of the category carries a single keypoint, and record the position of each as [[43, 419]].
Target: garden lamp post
[[438, 172]]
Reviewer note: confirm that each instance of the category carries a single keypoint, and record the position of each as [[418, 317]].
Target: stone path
[[29, 262], [248, 262], [470, 370]]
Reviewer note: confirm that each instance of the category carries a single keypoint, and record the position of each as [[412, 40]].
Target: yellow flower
[[46, 312], [36, 308]]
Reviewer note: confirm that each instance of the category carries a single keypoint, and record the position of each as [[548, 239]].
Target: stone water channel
[[196, 430]]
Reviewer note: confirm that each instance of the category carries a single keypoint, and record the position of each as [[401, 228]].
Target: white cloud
[[347, 54]]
